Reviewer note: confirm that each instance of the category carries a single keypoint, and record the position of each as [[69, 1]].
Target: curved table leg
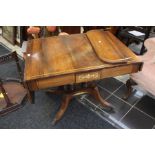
[[96, 94], [64, 105]]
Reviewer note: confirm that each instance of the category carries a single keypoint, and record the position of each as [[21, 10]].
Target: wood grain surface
[[60, 60], [108, 48], [59, 55]]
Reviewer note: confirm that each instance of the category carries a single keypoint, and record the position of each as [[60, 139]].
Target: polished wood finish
[[75, 59], [68, 56], [59, 55], [108, 48]]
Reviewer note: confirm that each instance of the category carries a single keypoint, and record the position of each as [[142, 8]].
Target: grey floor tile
[[147, 105], [137, 120], [119, 106], [133, 98], [111, 84]]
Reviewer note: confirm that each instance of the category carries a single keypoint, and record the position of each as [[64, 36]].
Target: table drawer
[[55, 81], [88, 76], [119, 70]]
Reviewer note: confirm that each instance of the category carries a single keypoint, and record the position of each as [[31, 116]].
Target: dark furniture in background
[[88, 28], [71, 29], [112, 29], [24, 33], [128, 38], [12, 91]]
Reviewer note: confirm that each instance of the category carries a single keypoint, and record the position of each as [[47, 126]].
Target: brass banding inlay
[[87, 77]]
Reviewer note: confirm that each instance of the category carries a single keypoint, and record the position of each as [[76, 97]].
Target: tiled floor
[[138, 112]]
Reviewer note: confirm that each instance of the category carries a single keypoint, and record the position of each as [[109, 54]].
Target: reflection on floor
[[137, 112]]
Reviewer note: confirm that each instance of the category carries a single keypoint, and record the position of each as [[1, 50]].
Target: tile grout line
[[126, 113], [108, 97], [111, 93], [119, 98], [97, 113], [91, 102], [144, 113], [122, 99], [96, 106], [102, 111], [139, 111], [118, 87], [132, 106], [107, 113], [105, 97], [108, 90]]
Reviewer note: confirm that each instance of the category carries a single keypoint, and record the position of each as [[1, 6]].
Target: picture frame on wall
[[18, 36], [9, 33]]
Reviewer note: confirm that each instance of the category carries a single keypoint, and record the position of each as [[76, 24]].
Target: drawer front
[[55, 81], [89, 76], [82, 77], [120, 70]]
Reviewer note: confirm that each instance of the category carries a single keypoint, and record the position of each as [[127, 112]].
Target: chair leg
[[129, 85]]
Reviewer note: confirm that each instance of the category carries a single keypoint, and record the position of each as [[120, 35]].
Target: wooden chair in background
[[12, 91]]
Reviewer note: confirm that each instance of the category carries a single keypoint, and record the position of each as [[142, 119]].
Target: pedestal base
[[75, 90]]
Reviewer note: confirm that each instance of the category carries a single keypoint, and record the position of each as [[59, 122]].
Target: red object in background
[[51, 28], [33, 30]]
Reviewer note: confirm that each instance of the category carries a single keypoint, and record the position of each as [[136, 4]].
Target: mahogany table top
[[61, 55]]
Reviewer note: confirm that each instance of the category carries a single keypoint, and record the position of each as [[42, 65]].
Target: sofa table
[[76, 61]]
